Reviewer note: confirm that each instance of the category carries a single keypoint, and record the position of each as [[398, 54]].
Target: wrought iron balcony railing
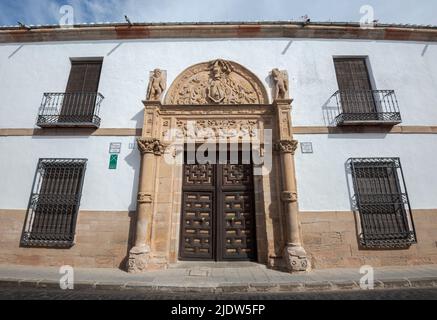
[[70, 110], [357, 107]]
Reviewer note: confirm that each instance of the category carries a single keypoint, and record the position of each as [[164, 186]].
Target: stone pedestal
[[295, 258], [138, 259]]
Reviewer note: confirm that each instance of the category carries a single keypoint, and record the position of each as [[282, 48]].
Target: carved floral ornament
[[216, 82], [154, 146], [213, 128], [287, 146]]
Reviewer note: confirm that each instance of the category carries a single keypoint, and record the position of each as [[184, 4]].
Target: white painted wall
[[29, 70], [321, 176], [104, 189]]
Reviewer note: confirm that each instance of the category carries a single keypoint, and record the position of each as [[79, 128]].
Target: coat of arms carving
[[216, 82]]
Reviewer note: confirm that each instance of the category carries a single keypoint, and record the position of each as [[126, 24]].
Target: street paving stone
[[51, 294], [214, 276]]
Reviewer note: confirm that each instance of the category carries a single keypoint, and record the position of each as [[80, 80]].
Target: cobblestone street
[[52, 294]]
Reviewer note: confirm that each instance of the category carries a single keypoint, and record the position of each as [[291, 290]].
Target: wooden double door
[[218, 213]]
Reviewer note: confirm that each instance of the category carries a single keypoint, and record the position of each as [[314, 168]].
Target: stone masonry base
[[329, 238]]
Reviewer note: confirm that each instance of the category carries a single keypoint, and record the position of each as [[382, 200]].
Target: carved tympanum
[[216, 82]]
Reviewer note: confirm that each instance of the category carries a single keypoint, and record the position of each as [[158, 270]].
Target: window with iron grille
[[54, 203], [382, 201]]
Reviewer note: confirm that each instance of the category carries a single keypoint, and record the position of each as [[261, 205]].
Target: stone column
[[150, 147], [295, 256]]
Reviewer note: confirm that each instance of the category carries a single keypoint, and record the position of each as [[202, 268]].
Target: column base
[[296, 259], [138, 259]]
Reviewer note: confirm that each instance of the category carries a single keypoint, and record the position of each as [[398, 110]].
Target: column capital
[[151, 145], [287, 146]]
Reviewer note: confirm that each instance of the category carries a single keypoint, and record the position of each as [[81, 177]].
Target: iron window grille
[[382, 201], [54, 203], [80, 109], [357, 107]]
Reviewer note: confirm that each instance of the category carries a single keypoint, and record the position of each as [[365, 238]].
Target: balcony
[[367, 107], [66, 110]]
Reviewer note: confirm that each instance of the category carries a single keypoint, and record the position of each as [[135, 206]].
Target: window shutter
[[84, 77], [81, 92], [354, 85]]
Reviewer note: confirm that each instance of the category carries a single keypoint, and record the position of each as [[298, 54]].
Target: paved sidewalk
[[220, 278]]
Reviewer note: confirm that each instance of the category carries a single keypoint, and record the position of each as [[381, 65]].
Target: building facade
[[98, 122]]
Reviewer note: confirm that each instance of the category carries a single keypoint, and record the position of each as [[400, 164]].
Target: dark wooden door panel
[[234, 175], [199, 175], [197, 225], [238, 228]]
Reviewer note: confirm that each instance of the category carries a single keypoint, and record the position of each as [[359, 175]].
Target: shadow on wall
[[276, 212], [353, 199], [330, 111], [133, 159]]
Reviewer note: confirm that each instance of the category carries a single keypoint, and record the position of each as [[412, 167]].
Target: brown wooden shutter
[[81, 92], [354, 85], [84, 76]]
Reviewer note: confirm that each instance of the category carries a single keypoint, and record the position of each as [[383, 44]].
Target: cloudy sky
[[48, 11]]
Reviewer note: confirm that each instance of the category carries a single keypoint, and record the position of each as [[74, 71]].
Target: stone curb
[[217, 288]]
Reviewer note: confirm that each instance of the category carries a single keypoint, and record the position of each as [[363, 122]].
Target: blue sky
[[85, 11]]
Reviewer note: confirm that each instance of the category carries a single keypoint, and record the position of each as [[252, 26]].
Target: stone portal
[[218, 103]]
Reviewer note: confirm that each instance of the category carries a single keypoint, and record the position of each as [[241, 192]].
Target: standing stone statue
[[157, 85], [280, 79]]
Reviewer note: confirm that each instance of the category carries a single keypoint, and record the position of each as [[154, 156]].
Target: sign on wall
[[306, 147], [115, 148], [113, 161]]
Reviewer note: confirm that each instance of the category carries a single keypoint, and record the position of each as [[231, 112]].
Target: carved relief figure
[[217, 85], [157, 85], [280, 79]]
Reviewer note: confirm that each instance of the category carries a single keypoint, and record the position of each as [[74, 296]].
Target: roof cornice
[[218, 30]]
